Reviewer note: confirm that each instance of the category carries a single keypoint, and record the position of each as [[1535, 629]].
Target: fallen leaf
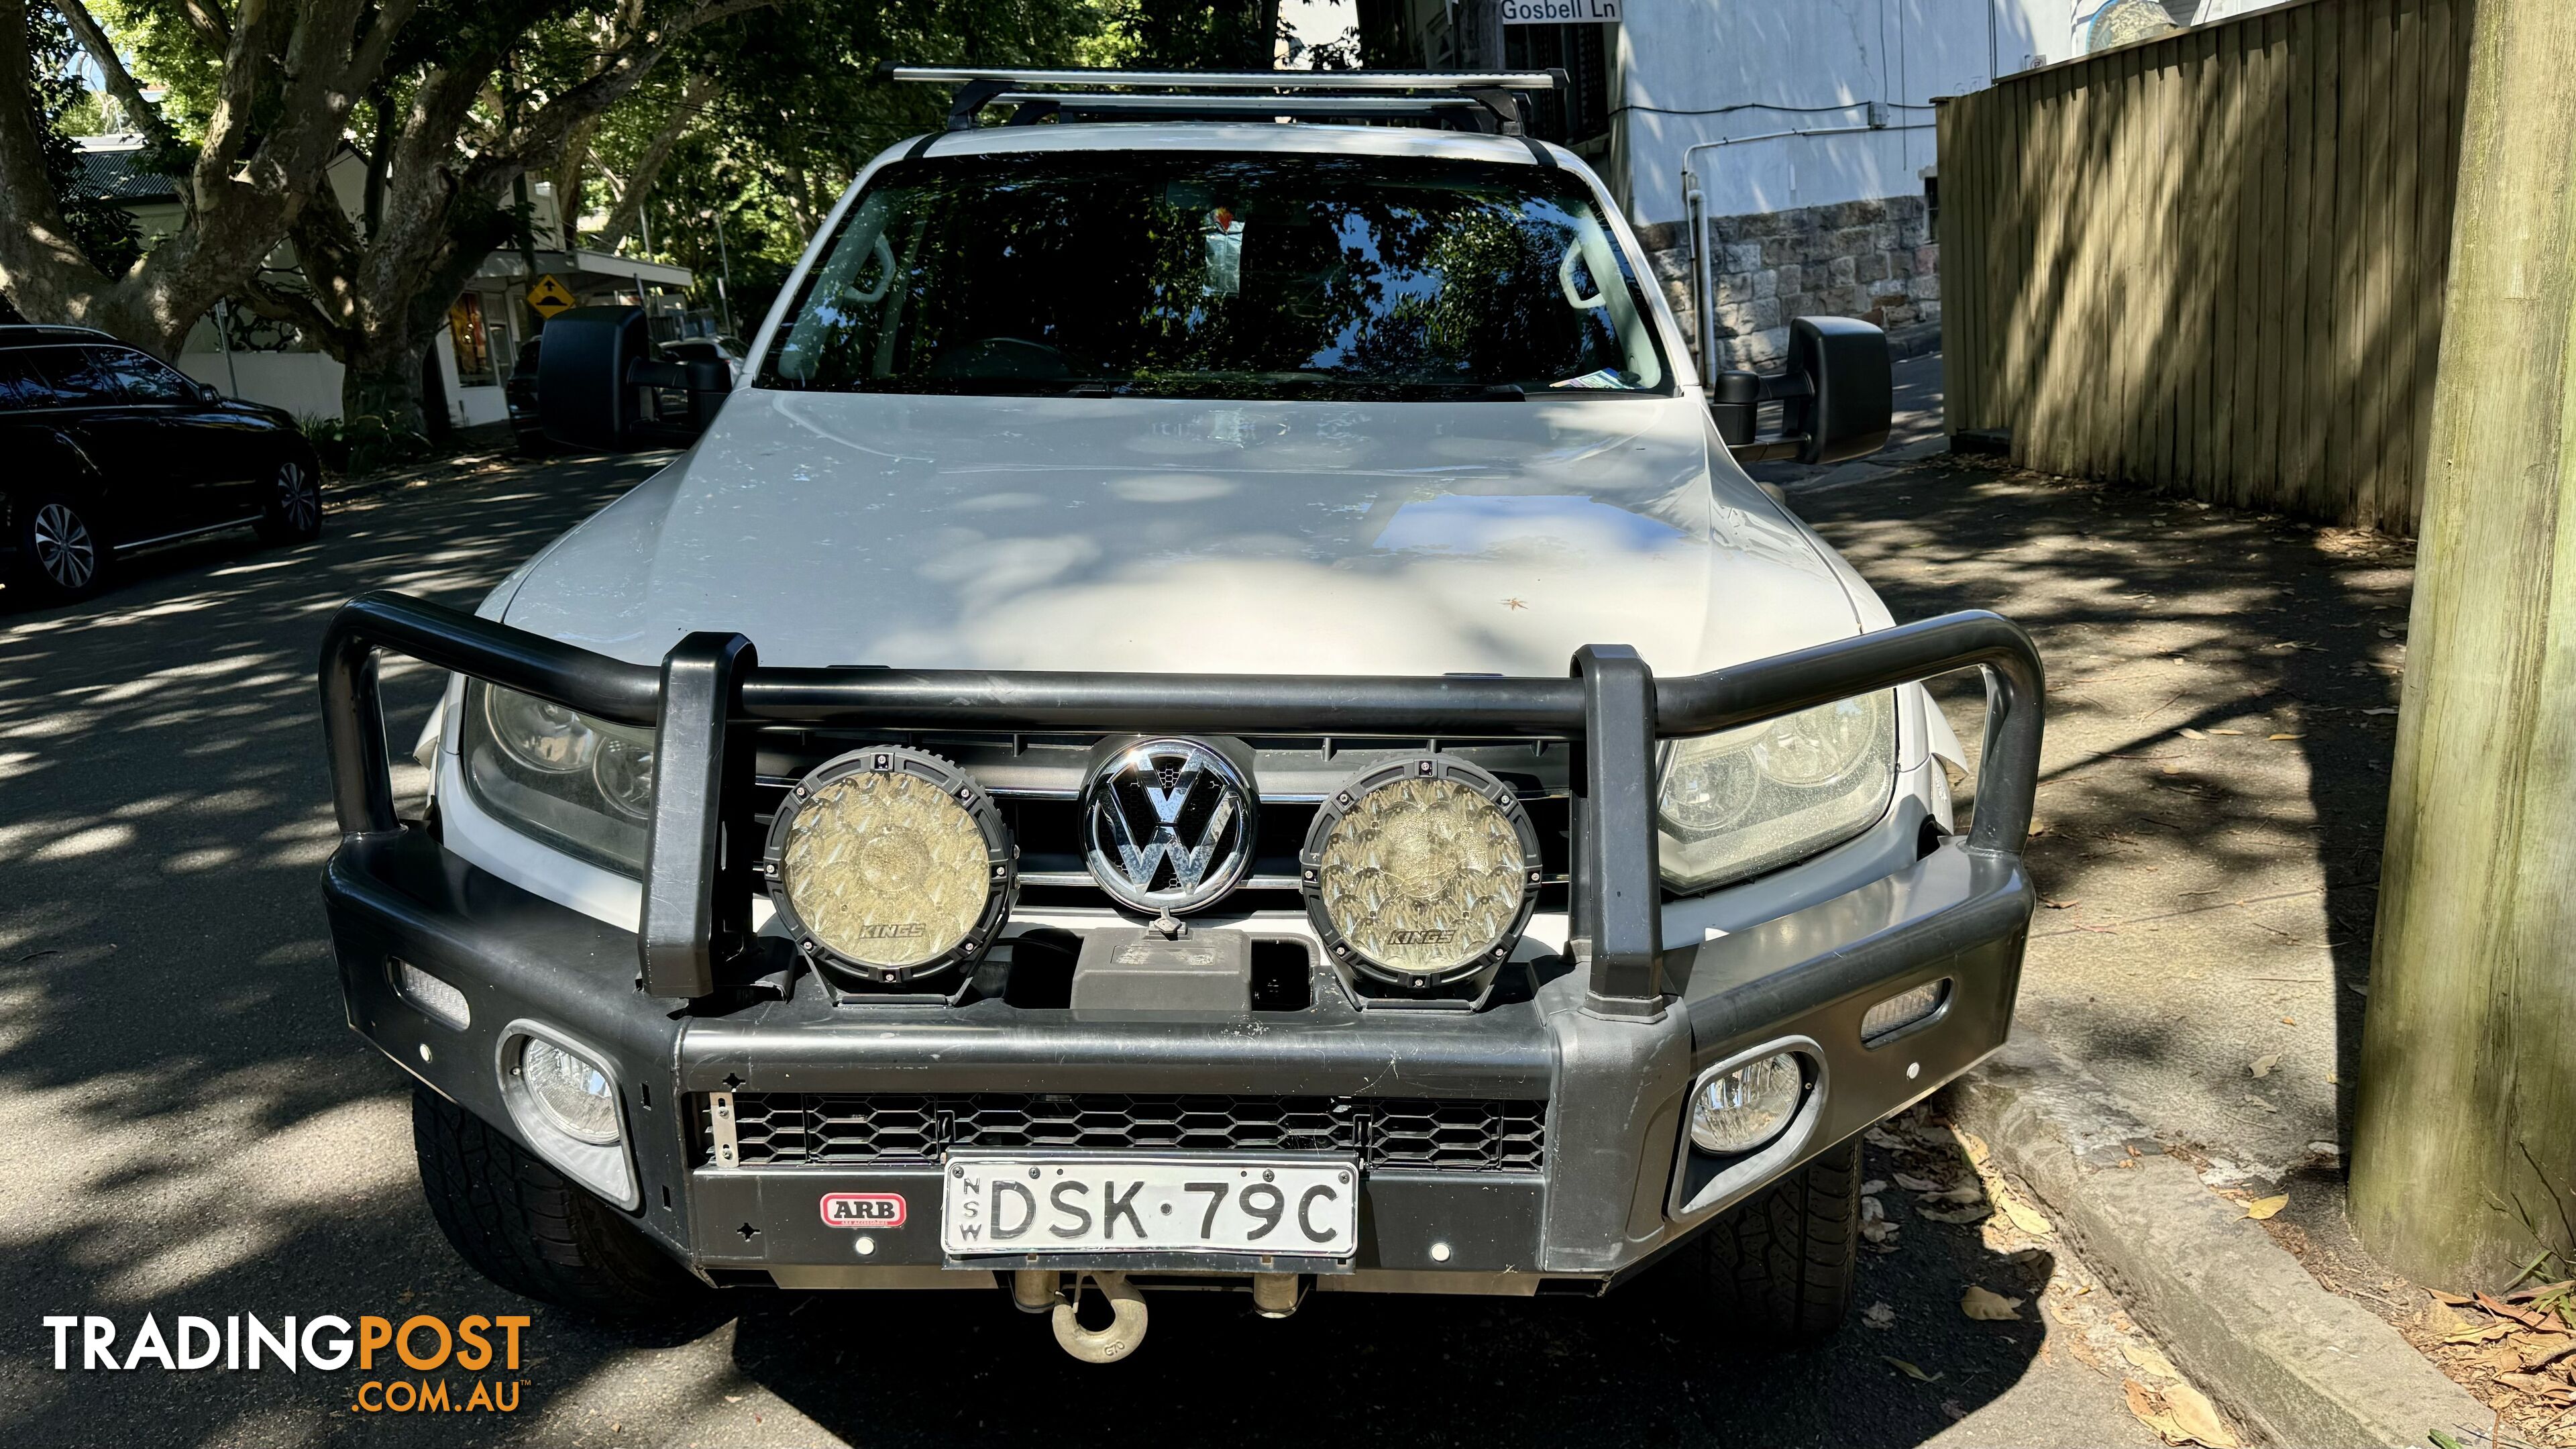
[[1978, 1152], [2262, 1066], [2523, 1316], [2543, 1290], [2259, 1102], [2147, 1361], [2285, 737], [1912, 1183], [1872, 1210], [2380, 711], [1977, 1214], [1878, 1137], [2198, 1417], [2456, 1300], [1879, 1315], [2264, 1207], [1872, 1188], [2550, 1389], [2192, 734], [2289, 1021], [1956, 1196], [2026, 1217], [2484, 1333], [1910, 1371], [1988, 1306]]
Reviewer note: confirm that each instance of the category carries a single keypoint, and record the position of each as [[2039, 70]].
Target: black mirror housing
[[1845, 361], [599, 387], [1836, 397]]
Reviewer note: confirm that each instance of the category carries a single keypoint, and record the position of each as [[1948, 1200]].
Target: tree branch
[[206, 17], [657, 154], [120, 81], [40, 266]]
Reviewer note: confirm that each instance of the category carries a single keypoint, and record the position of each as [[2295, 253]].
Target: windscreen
[[1190, 274]]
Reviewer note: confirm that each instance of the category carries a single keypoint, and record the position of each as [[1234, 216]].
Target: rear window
[[1188, 274]]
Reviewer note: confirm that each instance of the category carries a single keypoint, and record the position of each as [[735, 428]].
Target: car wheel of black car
[[1779, 1268], [62, 551], [521, 1224], [292, 512]]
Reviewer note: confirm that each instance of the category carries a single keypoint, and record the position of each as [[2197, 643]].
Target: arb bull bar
[[1612, 1049]]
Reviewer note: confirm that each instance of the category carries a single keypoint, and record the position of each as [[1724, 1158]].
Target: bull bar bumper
[[1610, 1039]]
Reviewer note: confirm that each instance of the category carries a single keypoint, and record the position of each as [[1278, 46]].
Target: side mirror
[[1835, 397], [599, 387]]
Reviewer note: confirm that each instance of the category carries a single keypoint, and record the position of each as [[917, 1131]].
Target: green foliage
[[103, 230], [363, 444]]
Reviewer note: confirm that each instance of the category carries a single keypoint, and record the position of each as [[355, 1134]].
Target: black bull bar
[[1610, 708]]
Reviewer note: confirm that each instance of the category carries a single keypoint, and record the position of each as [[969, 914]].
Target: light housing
[[1422, 872], [1734, 804], [1746, 1107], [579, 783], [567, 1101], [1906, 1008], [888, 865], [438, 1000]]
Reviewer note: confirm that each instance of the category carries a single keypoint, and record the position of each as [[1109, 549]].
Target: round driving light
[[1738, 1111], [887, 864], [571, 1090], [1422, 872]]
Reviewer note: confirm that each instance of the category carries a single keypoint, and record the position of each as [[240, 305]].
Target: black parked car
[[521, 392], [112, 451]]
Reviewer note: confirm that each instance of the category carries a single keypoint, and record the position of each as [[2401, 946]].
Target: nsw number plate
[[1148, 1203]]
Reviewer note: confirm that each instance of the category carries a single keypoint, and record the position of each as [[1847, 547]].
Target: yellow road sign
[[548, 296]]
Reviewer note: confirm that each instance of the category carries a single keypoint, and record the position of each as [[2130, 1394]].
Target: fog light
[[1904, 1009], [571, 1090], [888, 864], [1738, 1111], [436, 999], [1421, 872]]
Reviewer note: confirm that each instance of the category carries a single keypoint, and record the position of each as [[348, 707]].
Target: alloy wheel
[[64, 548], [299, 498]]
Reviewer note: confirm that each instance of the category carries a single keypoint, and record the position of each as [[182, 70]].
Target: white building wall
[[1829, 59], [306, 384]]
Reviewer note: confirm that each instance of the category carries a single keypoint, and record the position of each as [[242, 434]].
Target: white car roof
[[1269, 136]]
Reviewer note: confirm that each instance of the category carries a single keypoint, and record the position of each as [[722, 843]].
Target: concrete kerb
[[2299, 1364]]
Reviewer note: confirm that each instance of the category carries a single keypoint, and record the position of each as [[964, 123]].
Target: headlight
[[1421, 872], [1738, 1111], [579, 783], [888, 864], [571, 1090], [1736, 804]]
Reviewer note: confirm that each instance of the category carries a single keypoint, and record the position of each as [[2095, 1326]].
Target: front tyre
[[292, 510], [63, 553], [1780, 1267], [527, 1228]]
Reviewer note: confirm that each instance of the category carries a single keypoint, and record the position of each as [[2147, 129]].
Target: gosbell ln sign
[[1560, 12]]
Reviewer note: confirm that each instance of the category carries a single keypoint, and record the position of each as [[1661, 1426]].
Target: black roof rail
[[1485, 100], [51, 332]]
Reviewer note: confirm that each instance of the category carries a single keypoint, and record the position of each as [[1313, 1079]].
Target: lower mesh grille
[[792, 1129]]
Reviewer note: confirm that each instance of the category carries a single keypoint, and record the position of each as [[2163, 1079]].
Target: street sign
[[1560, 12], [546, 296]]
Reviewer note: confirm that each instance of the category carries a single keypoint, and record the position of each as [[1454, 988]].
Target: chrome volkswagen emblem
[[1167, 825]]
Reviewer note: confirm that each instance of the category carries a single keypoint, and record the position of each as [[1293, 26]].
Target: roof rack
[[1487, 101]]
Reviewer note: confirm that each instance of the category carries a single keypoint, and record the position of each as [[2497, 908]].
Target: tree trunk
[[2464, 1151], [382, 380]]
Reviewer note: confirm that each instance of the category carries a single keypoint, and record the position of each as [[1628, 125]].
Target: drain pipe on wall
[[1695, 212]]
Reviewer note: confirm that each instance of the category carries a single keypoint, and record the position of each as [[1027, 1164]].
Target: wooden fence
[[2214, 263]]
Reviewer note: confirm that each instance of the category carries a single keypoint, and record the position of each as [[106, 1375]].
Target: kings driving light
[[1737, 803], [571, 1090], [1903, 1009], [1735, 1112], [1422, 872], [887, 864]]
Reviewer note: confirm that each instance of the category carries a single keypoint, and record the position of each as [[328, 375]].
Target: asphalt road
[[187, 1128]]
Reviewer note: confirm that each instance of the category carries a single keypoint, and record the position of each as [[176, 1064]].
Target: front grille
[[795, 1129]]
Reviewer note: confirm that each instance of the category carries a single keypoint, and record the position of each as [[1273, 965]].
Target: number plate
[[1148, 1203]]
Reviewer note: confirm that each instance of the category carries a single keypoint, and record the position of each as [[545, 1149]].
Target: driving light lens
[[1423, 870], [1738, 1111], [573, 1092], [891, 861], [1903, 1009], [1737, 803], [623, 771]]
